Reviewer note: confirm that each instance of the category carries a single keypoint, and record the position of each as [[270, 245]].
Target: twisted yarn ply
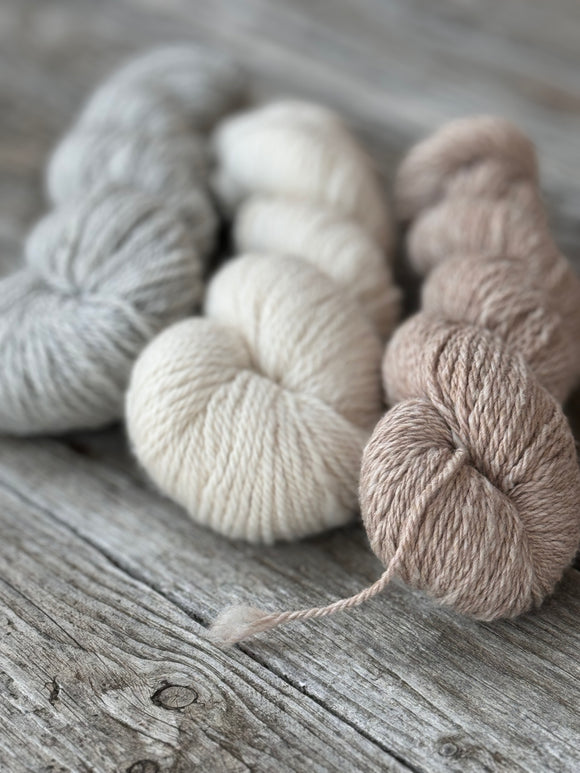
[[470, 487], [254, 418], [121, 255]]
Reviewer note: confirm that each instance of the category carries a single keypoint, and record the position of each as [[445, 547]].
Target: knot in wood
[[174, 696], [144, 766]]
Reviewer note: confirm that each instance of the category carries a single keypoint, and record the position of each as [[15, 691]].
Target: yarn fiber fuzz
[[470, 486], [254, 418], [122, 253]]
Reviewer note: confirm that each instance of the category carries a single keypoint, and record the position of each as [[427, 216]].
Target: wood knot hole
[[448, 749], [144, 766], [174, 696]]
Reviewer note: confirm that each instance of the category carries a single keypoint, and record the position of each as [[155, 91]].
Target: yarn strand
[[241, 621]]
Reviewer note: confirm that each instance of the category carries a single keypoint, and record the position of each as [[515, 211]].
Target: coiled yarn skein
[[470, 487], [121, 255], [254, 418]]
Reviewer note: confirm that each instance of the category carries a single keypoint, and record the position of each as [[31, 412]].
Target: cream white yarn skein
[[254, 418], [121, 255], [304, 187]]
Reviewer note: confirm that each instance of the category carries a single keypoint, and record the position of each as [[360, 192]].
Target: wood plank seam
[[360, 730]]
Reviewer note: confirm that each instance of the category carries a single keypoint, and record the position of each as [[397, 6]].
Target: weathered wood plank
[[98, 672], [438, 691]]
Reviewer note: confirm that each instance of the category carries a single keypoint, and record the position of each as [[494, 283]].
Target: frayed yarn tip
[[237, 623]]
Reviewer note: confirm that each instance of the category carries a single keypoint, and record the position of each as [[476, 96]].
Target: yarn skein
[[254, 418], [470, 485], [122, 253], [300, 185]]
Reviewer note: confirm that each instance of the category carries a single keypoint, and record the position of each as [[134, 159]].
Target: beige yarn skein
[[470, 487], [254, 418]]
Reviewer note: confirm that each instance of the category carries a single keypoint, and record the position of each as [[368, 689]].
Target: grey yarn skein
[[122, 254]]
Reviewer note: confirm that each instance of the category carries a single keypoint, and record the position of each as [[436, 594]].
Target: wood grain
[[106, 588], [100, 672], [435, 690]]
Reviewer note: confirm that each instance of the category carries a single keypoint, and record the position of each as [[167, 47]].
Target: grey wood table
[[106, 589]]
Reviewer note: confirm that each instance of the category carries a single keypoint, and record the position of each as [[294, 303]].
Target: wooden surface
[[106, 588]]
